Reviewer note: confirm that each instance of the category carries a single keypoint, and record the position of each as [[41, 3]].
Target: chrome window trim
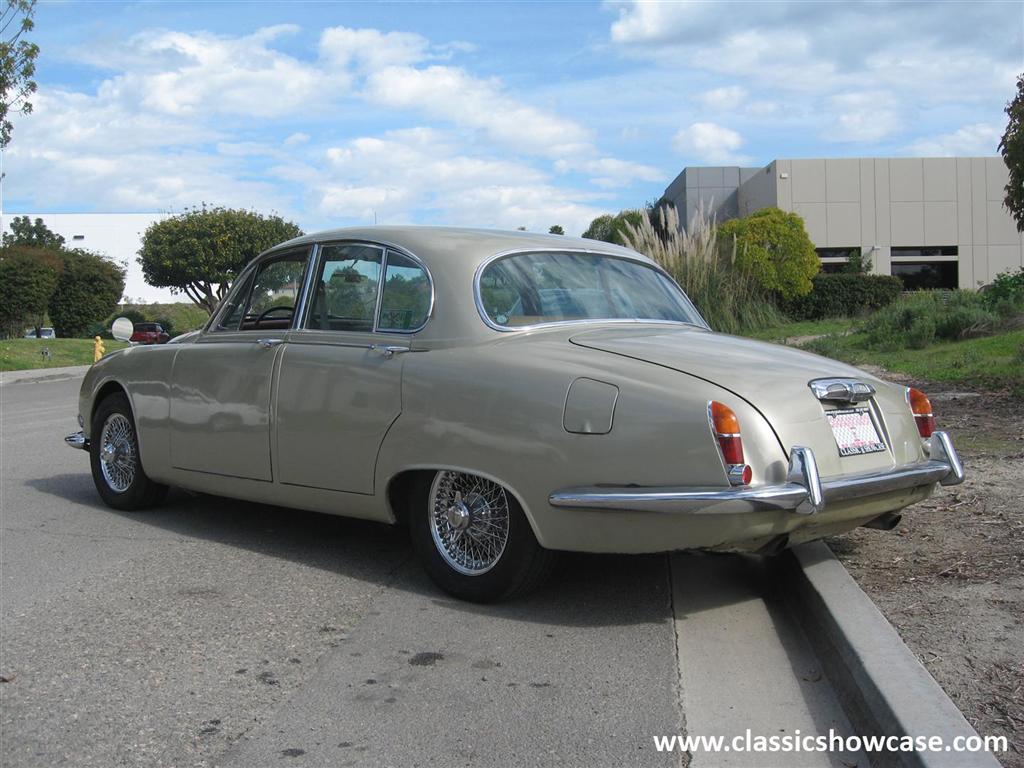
[[215, 318], [386, 247], [638, 259], [307, 282]]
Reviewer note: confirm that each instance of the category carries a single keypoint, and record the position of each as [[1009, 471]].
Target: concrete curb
[[42, 374], [882, 686]]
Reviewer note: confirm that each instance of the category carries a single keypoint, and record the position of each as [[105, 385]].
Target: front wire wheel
[[118, 452], [116, 462], [473, 539]]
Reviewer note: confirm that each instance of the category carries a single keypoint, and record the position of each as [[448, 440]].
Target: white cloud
[[184, 118], [178, 73], [611, 172], [724, 99], [450, 94], [394, 176], [370, 50], [979, 139], [863, 117], [820, 60], [710, 143]]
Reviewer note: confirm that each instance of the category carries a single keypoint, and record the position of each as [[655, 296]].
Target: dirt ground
[[950, 577]]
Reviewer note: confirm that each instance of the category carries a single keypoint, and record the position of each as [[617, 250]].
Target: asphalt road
[[215, 632]]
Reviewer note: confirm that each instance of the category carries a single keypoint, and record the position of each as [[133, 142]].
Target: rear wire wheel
[[473, 539]]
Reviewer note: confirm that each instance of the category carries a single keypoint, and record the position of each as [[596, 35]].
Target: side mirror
[[122, 329]]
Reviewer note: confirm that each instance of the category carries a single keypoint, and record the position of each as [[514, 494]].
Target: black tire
[[138, 493], [522, 566]]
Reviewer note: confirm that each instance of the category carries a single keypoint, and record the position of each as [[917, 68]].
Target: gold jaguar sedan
[[505, 395]]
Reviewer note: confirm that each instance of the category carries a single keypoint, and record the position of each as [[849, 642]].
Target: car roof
[[464, 243]]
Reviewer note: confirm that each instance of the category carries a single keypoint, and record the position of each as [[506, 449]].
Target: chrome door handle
[[387, 350], [268, 343]]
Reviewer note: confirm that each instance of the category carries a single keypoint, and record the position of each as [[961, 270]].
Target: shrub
[[844, 295], [963, 315], [611, 229], [773, 246], [729, 298], [28, 276], [87, 290], [919, 319], [1007, 290]]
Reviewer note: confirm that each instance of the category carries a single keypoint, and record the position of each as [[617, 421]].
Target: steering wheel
[[279, 307]]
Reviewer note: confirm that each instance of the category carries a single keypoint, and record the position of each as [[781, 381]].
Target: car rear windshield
[[554, 286]]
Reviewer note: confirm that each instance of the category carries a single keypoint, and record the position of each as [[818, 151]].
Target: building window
[[927, 275], [925, 253], [926, 267], [835, 259]]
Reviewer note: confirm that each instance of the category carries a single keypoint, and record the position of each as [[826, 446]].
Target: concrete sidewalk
[[42, 374]]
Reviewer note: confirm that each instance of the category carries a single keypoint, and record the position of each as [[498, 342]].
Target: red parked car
[[149, 333]]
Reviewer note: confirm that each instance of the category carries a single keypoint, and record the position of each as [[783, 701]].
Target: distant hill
[[182, 316]]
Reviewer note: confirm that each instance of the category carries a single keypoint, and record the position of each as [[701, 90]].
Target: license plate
[[855, 431]]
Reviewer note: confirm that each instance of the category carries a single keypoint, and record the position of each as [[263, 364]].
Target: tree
[[87, 291], [611, 229], [28, 277], [32, 233], [201, 251], [1012, 148], [17, 64], [773, 246], [556, 230]]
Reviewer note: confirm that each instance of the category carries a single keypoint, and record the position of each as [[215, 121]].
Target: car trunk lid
[[774, 380]]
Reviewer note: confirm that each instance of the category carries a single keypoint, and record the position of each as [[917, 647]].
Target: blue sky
[[496, 114]]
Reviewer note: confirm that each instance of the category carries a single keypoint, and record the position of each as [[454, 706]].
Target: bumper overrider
[[78, 440], [804, 492]]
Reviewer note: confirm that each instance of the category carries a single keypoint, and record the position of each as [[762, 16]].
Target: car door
[[340, 384], [221, 384]]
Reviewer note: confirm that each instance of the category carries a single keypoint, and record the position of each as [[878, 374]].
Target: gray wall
[[717, 188]]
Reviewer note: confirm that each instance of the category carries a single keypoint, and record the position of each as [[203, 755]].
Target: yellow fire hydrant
[[98, 349]]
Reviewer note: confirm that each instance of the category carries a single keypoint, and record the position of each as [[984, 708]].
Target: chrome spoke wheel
[[118, 452], [469, 519]]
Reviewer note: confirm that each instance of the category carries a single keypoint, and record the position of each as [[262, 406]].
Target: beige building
[[935, 222]]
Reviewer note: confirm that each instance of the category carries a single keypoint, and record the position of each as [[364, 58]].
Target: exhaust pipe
[[775, 545], [885, 521]]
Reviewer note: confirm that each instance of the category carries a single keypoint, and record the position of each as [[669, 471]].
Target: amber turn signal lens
[[723, 419], [727, 431], [921, 407]]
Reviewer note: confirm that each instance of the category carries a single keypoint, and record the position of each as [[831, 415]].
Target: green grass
[[25, 354], [802, 328], [991, 362]]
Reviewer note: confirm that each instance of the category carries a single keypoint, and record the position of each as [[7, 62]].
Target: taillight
[[726, 429], [921, 407]]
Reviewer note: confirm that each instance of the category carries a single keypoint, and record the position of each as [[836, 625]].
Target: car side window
[[405, 299], [344, 296], [268, 300]]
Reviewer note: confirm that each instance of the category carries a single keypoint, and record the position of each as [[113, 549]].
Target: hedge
[[844, 295]]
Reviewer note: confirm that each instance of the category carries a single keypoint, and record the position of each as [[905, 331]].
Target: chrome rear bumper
[[78, 440], [804, 492]]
